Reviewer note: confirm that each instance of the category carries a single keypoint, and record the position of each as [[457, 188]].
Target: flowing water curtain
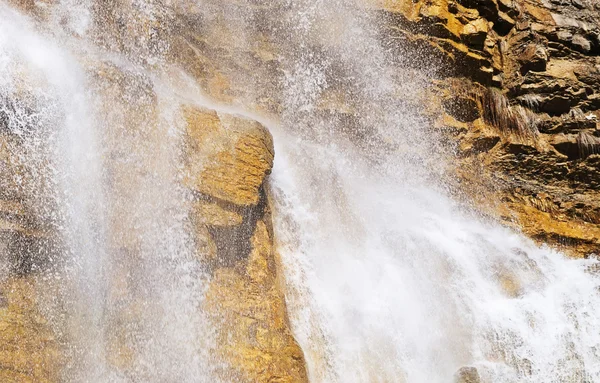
[[389, 279], [119, 204], [60, 149]]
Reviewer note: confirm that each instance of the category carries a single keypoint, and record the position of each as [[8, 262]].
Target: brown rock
[[28, 349], [228, 157], [247, 306], [538, 12], [581, 43], [475, 32], [467, 375], [534, 57], [504, 23]]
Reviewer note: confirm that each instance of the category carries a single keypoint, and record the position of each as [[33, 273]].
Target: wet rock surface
[[529, 152], [228, 160], [543, 59]]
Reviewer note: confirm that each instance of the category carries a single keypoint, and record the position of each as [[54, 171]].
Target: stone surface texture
[[518, 82]]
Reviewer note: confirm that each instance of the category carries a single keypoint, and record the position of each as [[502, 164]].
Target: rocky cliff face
[[227, 160], [515, 88], [518, 81], [232, 220]]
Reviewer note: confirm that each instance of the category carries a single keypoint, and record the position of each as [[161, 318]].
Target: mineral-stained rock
[[229, 156], [543, 58], [538, 55], [533, 58], [228, 159], [28, 349]]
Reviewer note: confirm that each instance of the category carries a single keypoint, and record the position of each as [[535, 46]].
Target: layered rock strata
[[233, 226], [518, 81], [518, 85]]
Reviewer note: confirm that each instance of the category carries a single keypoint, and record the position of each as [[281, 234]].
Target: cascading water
[[127, 284], [64, 136], [387, 278], [403, 286]]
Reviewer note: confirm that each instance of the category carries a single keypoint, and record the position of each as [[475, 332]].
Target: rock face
[[28, 348], [518, 81], [227, 164], [29, 351], [467, 375], [229, 156], [227, 161]]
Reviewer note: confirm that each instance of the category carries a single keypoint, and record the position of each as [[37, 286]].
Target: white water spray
[[123, 288], [389, 281], [392, 282]]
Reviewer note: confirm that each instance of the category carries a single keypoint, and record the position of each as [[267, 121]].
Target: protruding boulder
[[475, 32], [227, 161], [467, 375], [228, 157]]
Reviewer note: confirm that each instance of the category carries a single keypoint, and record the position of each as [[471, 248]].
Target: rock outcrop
[[228, 161], [518, 81]]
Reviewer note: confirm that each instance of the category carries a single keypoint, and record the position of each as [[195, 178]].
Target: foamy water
[[392, 282]]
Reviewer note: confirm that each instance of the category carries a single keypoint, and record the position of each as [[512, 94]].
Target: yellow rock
[[227, 161], [228, 156], [476, 31], [247, 306], [28, 350], [570, 235], [410, 9], [539, 13], [214, 215]]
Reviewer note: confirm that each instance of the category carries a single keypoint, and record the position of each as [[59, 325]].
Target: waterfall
[[124, 282], [387, 277], [393, 282]]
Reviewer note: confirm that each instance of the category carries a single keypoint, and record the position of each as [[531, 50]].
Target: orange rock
[[228, 156]]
